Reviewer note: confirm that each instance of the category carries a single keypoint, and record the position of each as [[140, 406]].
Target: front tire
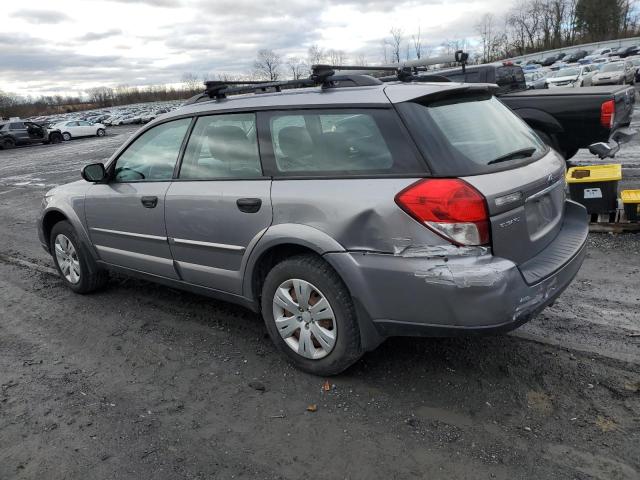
[[66, 136], [74, 263], [310, 316], [55, 138], [101, 132], [8, 143]]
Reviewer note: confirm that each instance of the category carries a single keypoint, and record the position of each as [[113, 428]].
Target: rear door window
[[470, 134], [222, 146], [340, 142]]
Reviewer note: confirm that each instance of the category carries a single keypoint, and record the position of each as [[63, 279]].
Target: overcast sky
[[67, 46]]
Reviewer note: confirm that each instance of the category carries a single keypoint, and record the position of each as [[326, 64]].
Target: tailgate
[[526, 206], [624, 99]]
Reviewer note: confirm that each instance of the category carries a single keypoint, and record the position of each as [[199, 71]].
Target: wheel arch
[[278, 242], [55, 215], [49, 220], [283, 241], [539, 120]]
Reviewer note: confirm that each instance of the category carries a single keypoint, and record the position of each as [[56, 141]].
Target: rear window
[[340, 142], [471, 135]]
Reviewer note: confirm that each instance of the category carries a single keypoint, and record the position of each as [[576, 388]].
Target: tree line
[[12, 105], [532, 26]]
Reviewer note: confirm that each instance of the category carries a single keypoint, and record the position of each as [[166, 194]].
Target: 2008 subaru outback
[[343, 215]]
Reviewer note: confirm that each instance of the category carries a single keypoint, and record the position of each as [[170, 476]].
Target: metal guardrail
[[623, 42]]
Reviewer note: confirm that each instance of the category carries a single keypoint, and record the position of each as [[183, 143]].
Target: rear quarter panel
[[359, 214]]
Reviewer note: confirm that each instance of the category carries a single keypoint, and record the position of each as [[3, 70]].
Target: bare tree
[[268, 65], [396, 42], [315, 55], [417, 44], [101, 96], [191, 81], [485, 29], [384, 44], [337, 57], [361, 60], [297, 68]]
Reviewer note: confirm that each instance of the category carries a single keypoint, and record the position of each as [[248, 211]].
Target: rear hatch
[[474, 137]]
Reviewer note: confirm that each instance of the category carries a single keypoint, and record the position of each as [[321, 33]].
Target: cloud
[[41, 16], [153, 3], [92, 36], [156, 41]]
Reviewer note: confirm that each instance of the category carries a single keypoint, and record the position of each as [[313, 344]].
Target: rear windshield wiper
[[522, 153]]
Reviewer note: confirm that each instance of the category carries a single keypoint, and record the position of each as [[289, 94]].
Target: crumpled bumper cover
[[446, 290]]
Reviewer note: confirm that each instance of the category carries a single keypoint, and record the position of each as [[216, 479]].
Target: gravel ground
[[143, 381]]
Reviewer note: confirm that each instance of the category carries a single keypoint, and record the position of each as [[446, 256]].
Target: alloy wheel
[[67, 258], [304, 318]]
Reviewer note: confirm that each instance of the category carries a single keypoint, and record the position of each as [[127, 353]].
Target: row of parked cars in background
[[56, 128], [599, 70]]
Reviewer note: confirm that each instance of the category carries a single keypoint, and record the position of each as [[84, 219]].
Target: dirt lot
[[142, 381]]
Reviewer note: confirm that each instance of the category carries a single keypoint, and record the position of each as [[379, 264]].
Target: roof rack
[[330, 76]]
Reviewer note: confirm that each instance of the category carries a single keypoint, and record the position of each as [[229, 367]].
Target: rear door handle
[[249, 205], [149, 202]]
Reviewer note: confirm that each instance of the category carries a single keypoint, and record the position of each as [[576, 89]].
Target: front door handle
[[149, 202], [249, 205]]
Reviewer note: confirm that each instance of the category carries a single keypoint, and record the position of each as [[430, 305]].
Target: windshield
[[457, 144], [568, 72], [612, 67]]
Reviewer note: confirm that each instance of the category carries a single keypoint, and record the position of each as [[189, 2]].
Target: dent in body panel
[[541, 294], [360, 214]]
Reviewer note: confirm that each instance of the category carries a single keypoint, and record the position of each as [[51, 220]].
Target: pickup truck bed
[[571, 117]]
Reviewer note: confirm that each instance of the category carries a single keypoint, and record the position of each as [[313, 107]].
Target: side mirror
[[94, 172]]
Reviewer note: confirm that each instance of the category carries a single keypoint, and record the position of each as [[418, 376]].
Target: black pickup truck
[[565, 118]]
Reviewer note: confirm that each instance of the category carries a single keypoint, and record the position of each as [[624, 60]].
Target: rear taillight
[[450, 207], [607, 113]]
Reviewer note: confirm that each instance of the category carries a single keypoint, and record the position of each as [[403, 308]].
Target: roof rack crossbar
[[329, 76]]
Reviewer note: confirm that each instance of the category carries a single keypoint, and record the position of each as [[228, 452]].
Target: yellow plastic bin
[[631, 201], [595, 186]]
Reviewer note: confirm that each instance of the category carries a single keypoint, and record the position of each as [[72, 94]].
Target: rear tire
[[74, 263], [66, 136], [8, 143], [325, 286]]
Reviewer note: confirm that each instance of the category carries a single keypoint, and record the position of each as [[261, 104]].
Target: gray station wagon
[[343, 213]]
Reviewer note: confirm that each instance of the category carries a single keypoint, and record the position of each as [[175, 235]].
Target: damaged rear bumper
[[436, 291]]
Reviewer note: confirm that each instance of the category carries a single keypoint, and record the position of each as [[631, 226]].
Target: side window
[[339, 142], [222, 146], [16, 126], [84, 124], [153, 155]]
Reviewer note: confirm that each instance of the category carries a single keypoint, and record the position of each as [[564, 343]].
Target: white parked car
[[80, 128], [572, 76], [600, 52]]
